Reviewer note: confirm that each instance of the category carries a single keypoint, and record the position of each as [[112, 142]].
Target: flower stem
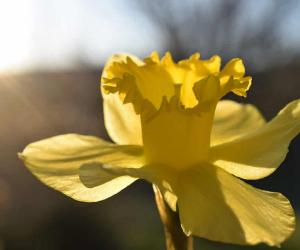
[[175, 238]]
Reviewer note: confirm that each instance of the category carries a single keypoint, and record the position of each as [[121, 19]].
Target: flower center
[[176, 101], [177, 137]]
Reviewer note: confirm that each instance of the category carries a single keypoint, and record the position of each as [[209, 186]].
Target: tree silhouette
[[248, 29]]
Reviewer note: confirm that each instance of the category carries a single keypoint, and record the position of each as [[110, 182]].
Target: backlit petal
[[149, 83], [218, 206], [160, 175], [232, 78], [122, 123], [176, 137], [191, 70], [259, 153], [136, 82], [233, 120], [188, 72], [57, 161]]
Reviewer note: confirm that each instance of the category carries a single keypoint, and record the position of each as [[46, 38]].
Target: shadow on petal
[[214, 204]]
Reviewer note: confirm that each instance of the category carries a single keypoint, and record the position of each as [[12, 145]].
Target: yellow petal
[[190, 71], [233, 120], [170, 198], [235, 67], [149, 83], [232, 78], [207, 93], [259, 153], [160, 175], [137, 82], [218, 206], [201, 68], [122, 123], [56, 162], [176, 137]]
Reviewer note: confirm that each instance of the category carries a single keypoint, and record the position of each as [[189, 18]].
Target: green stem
[[175, 238]]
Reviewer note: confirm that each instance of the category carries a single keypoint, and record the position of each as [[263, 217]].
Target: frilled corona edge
[[191, 84]]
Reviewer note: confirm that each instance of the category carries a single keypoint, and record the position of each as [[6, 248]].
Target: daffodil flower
[[171, 129]]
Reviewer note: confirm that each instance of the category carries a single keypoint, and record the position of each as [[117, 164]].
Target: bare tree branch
[[220, 27]]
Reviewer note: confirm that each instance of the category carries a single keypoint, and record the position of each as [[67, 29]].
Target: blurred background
[[51, 57]]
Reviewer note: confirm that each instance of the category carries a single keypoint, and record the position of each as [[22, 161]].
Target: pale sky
[[55, 34]]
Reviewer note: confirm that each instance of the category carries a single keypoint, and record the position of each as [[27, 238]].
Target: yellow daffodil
[[171, 129]]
